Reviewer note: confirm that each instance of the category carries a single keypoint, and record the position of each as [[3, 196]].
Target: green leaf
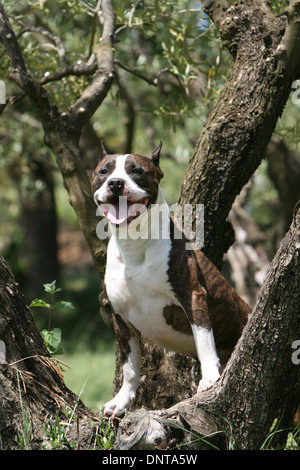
[[63, 304], [52, 338], [39, 303], [51, 288]]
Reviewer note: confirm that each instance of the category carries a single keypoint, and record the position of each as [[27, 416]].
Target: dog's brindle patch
[[211, 301], [140, 169], [177, 319]]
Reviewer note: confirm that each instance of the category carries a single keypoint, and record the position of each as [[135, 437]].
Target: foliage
[[292, 440], [55, 435], [105, 436], [87, 346], [52, 337]]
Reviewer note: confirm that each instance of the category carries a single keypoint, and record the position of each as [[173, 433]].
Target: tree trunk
[[247, 260], [39, 225], [261, 382], [32, 391], [284, 171]]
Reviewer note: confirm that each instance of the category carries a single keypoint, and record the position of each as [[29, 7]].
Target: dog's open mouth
[[119, 209]]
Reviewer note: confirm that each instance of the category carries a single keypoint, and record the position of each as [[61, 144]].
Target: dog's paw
[[207, 382], [205, 385], [113, 408], [118, 405]]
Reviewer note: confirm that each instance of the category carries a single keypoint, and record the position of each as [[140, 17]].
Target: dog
[[175, 297]]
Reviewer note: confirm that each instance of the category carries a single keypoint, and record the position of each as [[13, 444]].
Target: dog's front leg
[[130, 351]]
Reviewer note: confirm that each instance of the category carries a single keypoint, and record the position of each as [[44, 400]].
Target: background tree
[[229, 150]]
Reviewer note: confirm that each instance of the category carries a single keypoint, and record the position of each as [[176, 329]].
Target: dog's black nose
[[116, 186]]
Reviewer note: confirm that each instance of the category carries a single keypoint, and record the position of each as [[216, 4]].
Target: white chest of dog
[[157, 288], [138, 286]]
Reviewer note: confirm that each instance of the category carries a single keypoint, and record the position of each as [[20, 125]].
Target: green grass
[[93, 371]]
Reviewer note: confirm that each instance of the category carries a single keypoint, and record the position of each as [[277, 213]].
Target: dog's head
[[125, 186]]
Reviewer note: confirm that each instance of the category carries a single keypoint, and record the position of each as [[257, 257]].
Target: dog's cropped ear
[[156, 153], [103, 151], [155, 158]]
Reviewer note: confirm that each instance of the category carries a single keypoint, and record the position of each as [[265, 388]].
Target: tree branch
[[94, 94], [61, 50], [10, 42], [19, 73], [77, 70], [289, 49], [151, 81], [62, 129]]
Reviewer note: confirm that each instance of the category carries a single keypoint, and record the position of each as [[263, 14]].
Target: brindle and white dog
[[175, 297]]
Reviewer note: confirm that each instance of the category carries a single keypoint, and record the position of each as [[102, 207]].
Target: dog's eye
[[137, 171], [103, 171]]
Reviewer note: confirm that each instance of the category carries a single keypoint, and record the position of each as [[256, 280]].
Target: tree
[[231, 145]]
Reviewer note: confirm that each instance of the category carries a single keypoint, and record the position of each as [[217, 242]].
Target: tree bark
[[261, 382]]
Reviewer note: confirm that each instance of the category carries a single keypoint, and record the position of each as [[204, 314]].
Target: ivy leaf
[[52, 340]]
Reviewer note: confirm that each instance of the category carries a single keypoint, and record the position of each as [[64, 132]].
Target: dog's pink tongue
[[123, 210], [116, 214]]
